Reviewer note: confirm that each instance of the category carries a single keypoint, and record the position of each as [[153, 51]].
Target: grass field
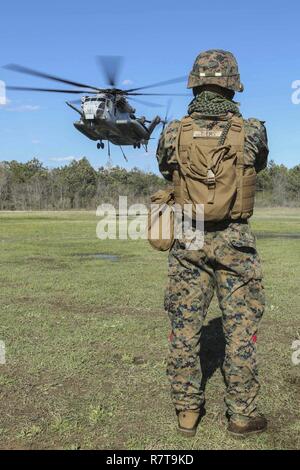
[[86, 339]]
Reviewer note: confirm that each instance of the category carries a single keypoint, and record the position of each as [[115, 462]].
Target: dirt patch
[[62, 304], [294, 380]]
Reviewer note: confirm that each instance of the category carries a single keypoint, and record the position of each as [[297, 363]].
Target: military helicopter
[[105, 113]]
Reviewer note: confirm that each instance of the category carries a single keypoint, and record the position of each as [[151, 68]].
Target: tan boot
[[253, 426], [188, 422]]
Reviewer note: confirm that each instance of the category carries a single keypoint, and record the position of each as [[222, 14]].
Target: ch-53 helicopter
[[107, 114]]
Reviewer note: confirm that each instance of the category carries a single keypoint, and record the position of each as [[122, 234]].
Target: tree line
[[32, 186]]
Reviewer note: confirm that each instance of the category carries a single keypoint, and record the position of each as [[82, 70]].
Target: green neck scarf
[[211, 104]]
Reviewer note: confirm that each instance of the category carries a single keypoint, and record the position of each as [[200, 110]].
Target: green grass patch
[[86, 339]]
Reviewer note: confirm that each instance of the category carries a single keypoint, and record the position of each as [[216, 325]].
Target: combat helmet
[[216, 67]]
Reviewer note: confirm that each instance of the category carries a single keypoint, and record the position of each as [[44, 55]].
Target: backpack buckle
[[211, 185], [236, 127], [211, 178]]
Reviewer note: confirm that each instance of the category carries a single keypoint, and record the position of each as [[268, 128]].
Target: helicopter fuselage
[[108, 117]]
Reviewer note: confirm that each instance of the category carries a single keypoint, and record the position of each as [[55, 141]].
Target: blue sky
[[160, 40]]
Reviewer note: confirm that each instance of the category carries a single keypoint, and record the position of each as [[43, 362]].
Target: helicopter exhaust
[[153, 124]]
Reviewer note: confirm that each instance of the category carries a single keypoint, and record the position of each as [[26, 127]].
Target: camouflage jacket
[[255, 152]]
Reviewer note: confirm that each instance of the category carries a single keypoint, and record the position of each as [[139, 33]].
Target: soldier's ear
[[241, 88]]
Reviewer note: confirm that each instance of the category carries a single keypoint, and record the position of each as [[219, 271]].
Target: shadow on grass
[[212, 350]]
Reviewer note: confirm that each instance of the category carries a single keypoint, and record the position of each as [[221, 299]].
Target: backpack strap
[[184, 138], [184, 134], [236, 138]]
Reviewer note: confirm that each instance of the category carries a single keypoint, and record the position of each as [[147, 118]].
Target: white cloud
[[63, 159], [35, 141], [23, 108], [2, 93], [150, 153], [127, 82]]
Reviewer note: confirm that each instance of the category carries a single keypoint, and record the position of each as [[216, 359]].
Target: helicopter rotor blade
[[36, 73], [147, 103], [163, 83], [111, 67], [52, 90], [157, 94]]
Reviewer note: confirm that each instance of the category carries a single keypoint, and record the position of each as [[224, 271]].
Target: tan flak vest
[[214, 175]]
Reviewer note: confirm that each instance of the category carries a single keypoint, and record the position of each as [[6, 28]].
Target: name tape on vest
[[206, 133]]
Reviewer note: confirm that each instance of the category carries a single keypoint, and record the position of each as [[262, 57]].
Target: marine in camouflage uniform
[[227, 263]]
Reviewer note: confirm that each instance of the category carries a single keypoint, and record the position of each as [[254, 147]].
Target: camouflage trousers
[[229, 263]]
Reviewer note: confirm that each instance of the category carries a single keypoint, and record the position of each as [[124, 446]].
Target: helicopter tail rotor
[[167, 117]]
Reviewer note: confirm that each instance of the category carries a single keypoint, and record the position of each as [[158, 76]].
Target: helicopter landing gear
[[136, 146], [100, 145]]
